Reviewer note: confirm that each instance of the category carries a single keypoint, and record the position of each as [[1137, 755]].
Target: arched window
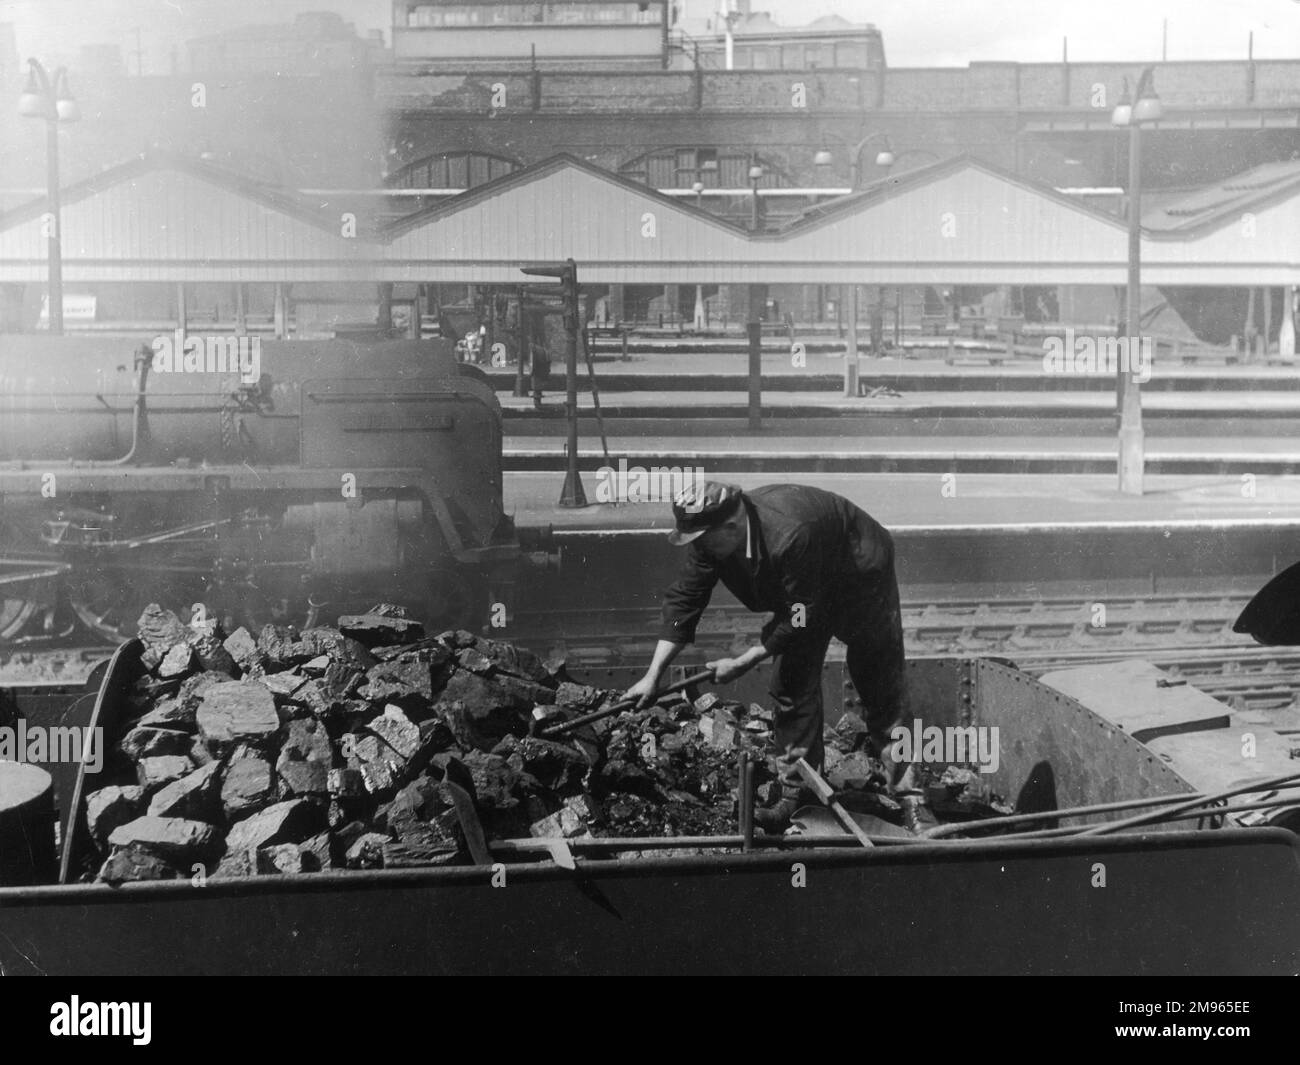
[[452, 170], [714, 168]]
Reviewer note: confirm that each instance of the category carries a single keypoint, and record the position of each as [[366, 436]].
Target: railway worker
[[824, 568]]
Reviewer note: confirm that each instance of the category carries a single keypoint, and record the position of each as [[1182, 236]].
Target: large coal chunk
[[497, 785], [207, 642], [171, 713], [172, 838], [384, 624], [284, 648], [306, 740], [135, 862], [412, 679], [158, 771], [111, 807], [235, 713], [555, 766], [575, 818], [421, 800], [245, 651], [306, 758], [434, 842], [159, 630], [148, 742], [196, 796], [503, 658], [285, 822], [249, 785], [480, 711], [325, 640]]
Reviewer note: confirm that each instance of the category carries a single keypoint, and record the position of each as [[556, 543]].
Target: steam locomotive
[[333, 475]]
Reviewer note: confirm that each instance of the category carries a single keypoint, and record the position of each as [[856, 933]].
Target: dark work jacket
[[811, 549]]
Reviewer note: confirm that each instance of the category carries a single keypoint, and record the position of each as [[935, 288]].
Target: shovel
[[566, 727], [826, 794]]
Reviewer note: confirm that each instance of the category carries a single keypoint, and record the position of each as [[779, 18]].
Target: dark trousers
[[868, 619]]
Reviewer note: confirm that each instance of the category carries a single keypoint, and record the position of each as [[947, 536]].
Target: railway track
[[1190, 636], [1001, 626]]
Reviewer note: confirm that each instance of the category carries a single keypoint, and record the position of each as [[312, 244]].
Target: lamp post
[[50, 99], [754, 326], [823, 157], [1144, 108], [755, 176], [884, 158], [697, 187]]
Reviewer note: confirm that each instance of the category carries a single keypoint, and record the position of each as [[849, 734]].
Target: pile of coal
[[334, 748], [348, 747]]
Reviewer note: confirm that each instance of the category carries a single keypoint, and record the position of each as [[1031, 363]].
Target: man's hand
[[725, 670], [643, 691]]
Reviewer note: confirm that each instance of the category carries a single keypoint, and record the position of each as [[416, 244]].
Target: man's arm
[[644, 690], [726, 670], [683, 604], [686, 599]]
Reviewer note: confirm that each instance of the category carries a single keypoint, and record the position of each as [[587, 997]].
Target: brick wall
[[638, 93], [980, 86], [744, 90]]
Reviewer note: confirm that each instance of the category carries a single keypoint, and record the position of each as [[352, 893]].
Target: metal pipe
[[139, 426], [1142, 819], [1186, 815], [955, 828], [521, 324], [1131, 441], [55, 239], [572, 494], [746, 787], [755, 330], [634, 843]]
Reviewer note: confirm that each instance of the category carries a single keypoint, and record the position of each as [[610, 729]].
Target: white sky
[[916, 32]]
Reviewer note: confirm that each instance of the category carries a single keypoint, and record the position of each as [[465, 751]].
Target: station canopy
[[165, 218]]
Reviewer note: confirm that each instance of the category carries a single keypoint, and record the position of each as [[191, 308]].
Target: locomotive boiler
[[338, 474]]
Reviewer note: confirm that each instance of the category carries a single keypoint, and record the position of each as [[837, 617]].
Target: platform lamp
[[50, 99], [885, 159], [755, 176], [699, 317], [824, 159], [1143, 108], [754, 323]]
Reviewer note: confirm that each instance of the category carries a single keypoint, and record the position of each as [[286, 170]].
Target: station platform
[[678, 371], [916, 504], [859, 454], [934, 404]]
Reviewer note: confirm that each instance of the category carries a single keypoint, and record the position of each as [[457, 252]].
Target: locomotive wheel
[[110, 602], [14, 614]]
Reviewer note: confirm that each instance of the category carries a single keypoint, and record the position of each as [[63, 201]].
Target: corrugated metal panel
[[972, 219], [572, 213], [963, 226], [141, 228]]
